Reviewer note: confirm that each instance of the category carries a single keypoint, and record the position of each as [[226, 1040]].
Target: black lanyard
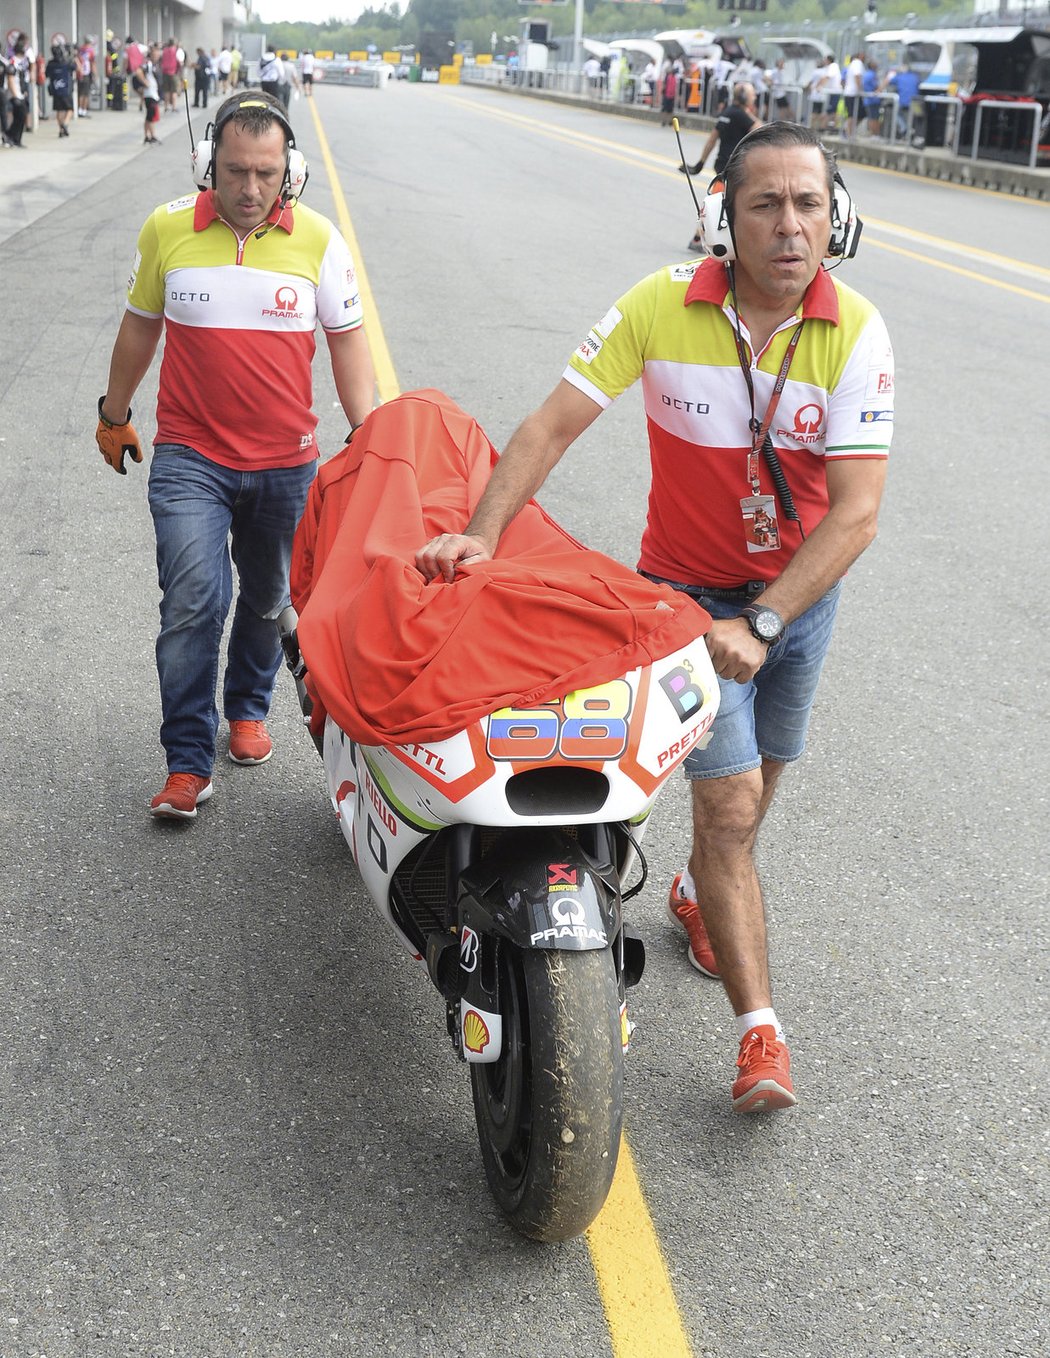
[[761, 431]]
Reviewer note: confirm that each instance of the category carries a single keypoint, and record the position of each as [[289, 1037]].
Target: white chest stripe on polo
[[233, 297], [708, 405]]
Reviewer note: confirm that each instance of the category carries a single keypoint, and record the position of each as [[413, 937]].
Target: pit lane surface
[[230, 1120]]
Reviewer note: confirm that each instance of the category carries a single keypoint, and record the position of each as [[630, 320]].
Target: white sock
[[745, 1022], [687, 886]]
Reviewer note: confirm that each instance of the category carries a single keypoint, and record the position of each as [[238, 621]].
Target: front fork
[[534, 889]]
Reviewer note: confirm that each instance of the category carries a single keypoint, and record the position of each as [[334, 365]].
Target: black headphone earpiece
[[202, 158], [716, 228]]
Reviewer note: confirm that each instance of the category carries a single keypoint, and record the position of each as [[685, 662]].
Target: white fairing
[[628, 735]]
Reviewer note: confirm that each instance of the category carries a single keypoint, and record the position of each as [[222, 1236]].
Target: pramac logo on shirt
[[285, 305], [808, 425]]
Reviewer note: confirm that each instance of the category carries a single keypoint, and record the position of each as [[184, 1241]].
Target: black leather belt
[[750, 590]]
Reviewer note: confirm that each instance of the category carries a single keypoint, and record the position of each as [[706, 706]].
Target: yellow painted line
[[640, 159], [386, 378], [633, 1282], [955, 248], [965, 273]]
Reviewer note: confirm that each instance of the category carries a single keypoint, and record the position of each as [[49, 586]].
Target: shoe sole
[[261, 760], [764, 1097], [165, 811], [713, 975]]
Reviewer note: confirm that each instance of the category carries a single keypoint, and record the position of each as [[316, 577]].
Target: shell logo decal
[[476, 1035]]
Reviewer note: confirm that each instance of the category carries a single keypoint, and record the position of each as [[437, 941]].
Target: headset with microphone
[[202, 156], [716, 224]]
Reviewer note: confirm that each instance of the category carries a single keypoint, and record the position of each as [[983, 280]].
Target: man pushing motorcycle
[[768, 389]]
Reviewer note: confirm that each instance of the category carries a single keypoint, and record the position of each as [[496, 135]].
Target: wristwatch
[[764, 623]]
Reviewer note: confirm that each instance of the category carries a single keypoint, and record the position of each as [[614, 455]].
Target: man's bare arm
[[534, 448]]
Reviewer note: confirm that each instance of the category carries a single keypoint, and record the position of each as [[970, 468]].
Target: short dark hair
[[775, 134], [254, 112]]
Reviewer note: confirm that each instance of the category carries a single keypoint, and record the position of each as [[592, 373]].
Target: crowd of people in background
[[845, 99], [80, 75]]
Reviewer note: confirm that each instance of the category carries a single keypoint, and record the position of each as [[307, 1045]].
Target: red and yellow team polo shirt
[[240, 315], [675, 330]]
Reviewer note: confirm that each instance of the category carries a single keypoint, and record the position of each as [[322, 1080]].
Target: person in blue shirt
[[906, 84]]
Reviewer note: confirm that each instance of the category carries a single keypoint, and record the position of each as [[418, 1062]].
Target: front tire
[[550, 1111]]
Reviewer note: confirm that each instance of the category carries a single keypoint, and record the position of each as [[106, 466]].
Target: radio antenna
[[681, 152]]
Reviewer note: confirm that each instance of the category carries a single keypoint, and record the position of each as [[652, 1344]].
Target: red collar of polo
[[711, 284], [204, 214]]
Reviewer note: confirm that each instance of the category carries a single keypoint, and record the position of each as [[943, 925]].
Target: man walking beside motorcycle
[[753, 356], [238, 276]]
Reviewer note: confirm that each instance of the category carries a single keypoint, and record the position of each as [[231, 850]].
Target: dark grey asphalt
[[229, 1122]]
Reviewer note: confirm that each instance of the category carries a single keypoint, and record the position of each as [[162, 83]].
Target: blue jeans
[[768, 717], [199, 508]]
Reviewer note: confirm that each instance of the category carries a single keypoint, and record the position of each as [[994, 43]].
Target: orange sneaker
[[180, 796], [765, 1073], [687, 913], [250, 742]]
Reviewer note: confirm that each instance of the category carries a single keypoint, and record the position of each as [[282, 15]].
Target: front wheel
[[550, 1110]]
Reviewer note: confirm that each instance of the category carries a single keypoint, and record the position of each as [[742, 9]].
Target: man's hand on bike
[[442, 555], [734, 652]]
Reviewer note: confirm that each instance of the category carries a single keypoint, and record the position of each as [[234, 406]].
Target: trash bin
[[415, 73]]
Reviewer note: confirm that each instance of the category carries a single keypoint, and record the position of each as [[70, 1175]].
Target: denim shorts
[[767, 717]]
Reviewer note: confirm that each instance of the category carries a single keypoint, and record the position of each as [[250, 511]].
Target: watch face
[[767, 624]]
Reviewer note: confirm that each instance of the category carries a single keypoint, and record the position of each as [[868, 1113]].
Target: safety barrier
[[1016, 106]]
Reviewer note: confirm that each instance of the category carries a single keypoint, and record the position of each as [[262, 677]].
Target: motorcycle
[[499, 858], [497, 841]]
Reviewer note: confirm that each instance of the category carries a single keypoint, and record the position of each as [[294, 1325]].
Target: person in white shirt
[[853, 90], [306, 65], [832, 94]]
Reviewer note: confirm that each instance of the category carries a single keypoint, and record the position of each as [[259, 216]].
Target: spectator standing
[[832, 90], [668, 92], [777, 81], [235, 451], [145, 84], [170, 70], [236, 59], [61, 74], [134, 56], [649, 82], [307, 63], [271, 73], [872, 106], [905, 83], [852, 92], [225, 66], [87, 72], [201, 79], [17, 85]]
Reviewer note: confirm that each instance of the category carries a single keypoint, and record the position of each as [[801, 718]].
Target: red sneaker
[[687, 913], [250, 742], [180, 796], [765, 1073]]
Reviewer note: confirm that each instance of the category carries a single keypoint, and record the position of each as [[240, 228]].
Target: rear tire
[[550, 1111]]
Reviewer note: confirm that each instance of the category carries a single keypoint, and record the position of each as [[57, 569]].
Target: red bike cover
[[399, 661]]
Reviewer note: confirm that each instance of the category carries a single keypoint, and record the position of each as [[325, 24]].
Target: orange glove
[[114, 440]]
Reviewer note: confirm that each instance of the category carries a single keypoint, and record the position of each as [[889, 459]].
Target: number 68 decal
[[588, 724]]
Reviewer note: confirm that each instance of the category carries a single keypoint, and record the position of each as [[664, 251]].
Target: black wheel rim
[[507, 1102]]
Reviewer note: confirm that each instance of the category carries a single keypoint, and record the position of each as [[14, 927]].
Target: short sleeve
[[338, 293]]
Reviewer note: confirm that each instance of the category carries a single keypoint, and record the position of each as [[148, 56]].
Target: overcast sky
[[308, 11]]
